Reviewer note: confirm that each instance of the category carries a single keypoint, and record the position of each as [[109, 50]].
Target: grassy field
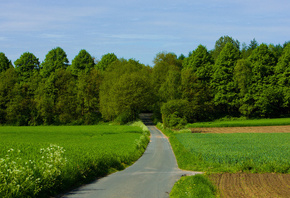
[[239, 153], [252, 152], [241, 123], [44, 160]]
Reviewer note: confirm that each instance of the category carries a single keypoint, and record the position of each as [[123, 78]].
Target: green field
[[253, 152], [241, 123], [215, 153], [44, 160]]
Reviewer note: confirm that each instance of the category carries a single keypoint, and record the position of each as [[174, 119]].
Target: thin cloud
[[143, 36]]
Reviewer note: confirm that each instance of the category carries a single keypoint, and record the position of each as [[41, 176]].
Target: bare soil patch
[[244, 185], [257, 129]]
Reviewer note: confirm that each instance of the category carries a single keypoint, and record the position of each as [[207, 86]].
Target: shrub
[[175, 113]]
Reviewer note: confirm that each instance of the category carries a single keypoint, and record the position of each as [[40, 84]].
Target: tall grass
[[45, 160], [197, 186], [241, 123]]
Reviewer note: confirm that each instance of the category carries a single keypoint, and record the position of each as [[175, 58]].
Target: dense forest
[[230, 80]]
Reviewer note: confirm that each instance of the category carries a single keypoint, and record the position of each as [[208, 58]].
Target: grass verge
[[197, 186]]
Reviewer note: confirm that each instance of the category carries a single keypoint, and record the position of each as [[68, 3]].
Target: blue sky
[[136, 29]]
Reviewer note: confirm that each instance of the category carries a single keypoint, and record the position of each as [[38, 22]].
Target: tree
[[45, 97], [200, 61], [175, 113], [263, 61], [253, 44], [55, 59], [88, 87], [125, 91], [222, 81], [243, 75], [221, 43], [4, 62], [170, 89], [8, 79], [247, 50], [83, 62], [282, 70], [21, 108], [256, 101], [66, 104], [164, 62], [26, 65], [198, 94], [106, 60]]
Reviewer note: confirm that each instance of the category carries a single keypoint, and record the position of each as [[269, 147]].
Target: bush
[[176, 122], [126, 117], [175, 113]]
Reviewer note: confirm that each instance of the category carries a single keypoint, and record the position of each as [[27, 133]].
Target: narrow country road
[[153, 175]]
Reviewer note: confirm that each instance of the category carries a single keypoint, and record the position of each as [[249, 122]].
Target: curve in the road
[[153, 175]]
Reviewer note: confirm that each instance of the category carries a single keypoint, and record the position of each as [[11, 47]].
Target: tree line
[[230, 80]]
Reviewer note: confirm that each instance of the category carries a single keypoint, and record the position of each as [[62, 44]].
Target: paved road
[[153, 175]]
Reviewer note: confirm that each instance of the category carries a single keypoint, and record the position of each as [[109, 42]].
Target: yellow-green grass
[[45, 160], [197, 186]]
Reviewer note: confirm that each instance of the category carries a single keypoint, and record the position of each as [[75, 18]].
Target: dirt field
[[260, 129], [244, 185]]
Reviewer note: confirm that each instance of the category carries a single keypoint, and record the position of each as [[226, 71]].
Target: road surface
[[153, 175]]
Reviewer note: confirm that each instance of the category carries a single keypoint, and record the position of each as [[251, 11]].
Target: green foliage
[[83, 62], [65, 103], [55, 59], [175, 113], [221, 43], [26, 65], [197, 186], [200, 61], [243, 75], [282, 69], [36, 167], [252, 82], [8, 79], [126, 89], [106, 61], [88, 88], [21, 108], [263, 62], [170, 89], [4, 62], [164, 62], [222, 81]]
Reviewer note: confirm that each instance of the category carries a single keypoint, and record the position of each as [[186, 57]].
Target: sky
[[137, 29]]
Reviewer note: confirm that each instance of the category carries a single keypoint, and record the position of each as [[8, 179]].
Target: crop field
[[266, 185], [253, 152], [45, 160], [242, 123], [240, 161], [254, 129]]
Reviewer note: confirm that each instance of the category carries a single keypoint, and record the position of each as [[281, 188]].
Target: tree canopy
[[205, 85]]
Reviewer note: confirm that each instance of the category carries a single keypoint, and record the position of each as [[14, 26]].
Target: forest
[[249, 81]]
